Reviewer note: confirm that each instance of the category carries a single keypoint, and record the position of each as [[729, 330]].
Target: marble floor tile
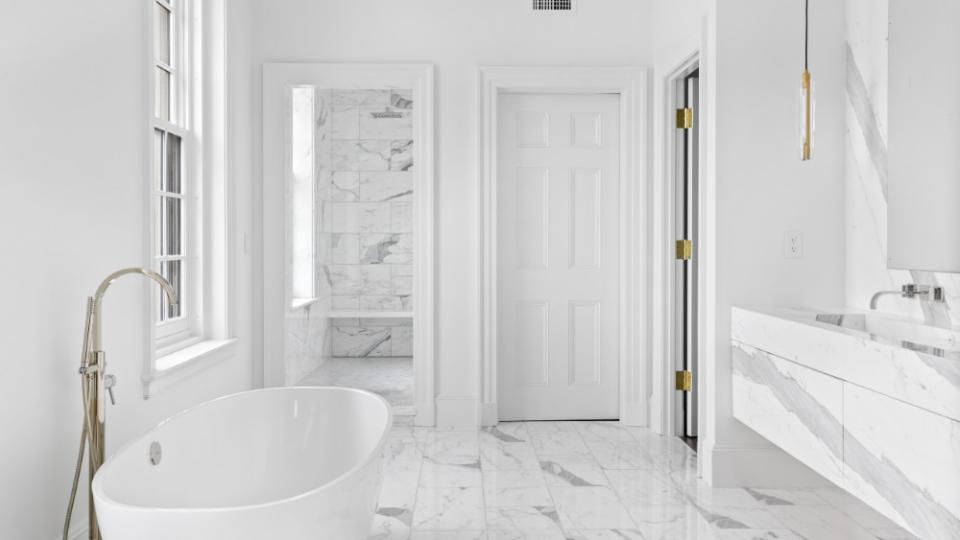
[[608, 534], [672, 522], [515, 488], [754, 534], [638, 488], [586, 508], [448, 509], [496, 455], [603, 431], [621, 455], [448, 535], [572, 470], [454, 472], [820, 522], [555, 438], [496, 483], [522, 523]]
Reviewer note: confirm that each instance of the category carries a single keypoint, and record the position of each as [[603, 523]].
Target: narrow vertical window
[[171, 176], [302, 194]]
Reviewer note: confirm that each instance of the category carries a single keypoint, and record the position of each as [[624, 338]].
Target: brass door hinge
[[684, 381], [684, 250], [685, 118]]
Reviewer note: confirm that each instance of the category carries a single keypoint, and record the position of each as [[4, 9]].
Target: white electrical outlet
[[793, 245]]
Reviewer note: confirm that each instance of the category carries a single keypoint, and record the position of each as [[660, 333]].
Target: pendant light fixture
[[806, 91]]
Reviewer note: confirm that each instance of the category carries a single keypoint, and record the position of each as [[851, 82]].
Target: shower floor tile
[[392, 378]]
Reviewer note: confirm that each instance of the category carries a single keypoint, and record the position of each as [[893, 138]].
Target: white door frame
[[631, 84], [277, 77], [663, 318]]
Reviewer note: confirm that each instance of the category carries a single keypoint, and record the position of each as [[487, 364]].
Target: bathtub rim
[[99, 493]]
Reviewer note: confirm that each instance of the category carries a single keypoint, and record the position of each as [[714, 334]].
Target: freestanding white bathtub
[[286, 463]]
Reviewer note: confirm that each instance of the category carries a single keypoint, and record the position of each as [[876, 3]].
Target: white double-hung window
[[175, 178], [187, 188]]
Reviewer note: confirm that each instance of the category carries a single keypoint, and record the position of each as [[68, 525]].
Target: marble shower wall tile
[[365, 139], [385, 186], [372, 337]]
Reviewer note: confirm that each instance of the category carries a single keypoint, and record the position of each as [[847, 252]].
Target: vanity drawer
[[795, 407], [903, 461]]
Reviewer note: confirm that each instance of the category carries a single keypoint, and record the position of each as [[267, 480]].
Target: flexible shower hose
[[85, 432]]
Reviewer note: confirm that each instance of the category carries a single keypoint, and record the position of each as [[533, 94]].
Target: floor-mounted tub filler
[[292, 463]]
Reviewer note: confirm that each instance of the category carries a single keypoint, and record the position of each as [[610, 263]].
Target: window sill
[[179, 365], [300, 303]]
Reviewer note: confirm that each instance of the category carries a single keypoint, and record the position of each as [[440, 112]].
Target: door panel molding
[[630, 83]]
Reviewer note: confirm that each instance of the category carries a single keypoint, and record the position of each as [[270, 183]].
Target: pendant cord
[[806, 34]]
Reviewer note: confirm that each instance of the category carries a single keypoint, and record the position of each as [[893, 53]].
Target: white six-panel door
[[557, 260]]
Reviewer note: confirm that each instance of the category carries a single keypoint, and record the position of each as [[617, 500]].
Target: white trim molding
[[663, 211], [631, 83], [277, 77]]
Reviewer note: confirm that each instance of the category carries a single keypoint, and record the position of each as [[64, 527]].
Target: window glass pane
[[158, 159], [171, 270], [161, 33], [162, 93], [174, 165], [170, 216]]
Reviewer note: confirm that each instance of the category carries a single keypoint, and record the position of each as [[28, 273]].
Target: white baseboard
[[760, 467], [488, 414], [457, 412], [426, 414]]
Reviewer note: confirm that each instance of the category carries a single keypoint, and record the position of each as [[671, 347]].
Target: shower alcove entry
[[347, 206]]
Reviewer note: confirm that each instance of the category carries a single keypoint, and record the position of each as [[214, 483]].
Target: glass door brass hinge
[[684, 381], [685, 118], [684, 250]]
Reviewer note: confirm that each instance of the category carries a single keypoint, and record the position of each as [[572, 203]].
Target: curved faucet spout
[[167, 288]]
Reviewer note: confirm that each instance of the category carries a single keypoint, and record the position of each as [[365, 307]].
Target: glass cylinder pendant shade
[[807, 110]]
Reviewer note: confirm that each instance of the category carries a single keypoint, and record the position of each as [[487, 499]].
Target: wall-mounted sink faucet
[[911, 290]]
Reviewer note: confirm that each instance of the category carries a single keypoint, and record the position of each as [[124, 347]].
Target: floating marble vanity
[[871, 402]]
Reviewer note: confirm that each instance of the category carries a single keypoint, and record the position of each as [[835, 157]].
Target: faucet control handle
[[109, 381], [938, 295]]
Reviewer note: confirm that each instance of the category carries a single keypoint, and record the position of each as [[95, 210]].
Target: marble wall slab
[[368, 337]]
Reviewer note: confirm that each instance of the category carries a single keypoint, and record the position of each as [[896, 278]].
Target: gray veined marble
[[854, 436], [401, 155], [386, 186]]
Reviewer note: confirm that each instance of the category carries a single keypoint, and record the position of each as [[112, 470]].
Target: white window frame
[[202, 332]]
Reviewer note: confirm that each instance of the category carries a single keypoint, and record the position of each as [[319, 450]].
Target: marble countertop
[[896, 356]]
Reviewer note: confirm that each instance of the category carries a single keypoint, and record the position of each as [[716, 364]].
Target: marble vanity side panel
[[904, 461], [796, 408], [927, 381]]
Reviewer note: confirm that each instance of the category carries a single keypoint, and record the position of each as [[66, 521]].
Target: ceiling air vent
[[553, 5]]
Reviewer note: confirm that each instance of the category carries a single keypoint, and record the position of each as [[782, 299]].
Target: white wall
[[756, 188], [761, 190], [457, 37], [71, 164], [866, 205]]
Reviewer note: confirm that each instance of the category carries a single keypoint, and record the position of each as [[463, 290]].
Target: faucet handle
[[938, 295], [109, 381]]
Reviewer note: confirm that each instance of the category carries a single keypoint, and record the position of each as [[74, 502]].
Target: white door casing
[[630, 84], [558, 260]]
